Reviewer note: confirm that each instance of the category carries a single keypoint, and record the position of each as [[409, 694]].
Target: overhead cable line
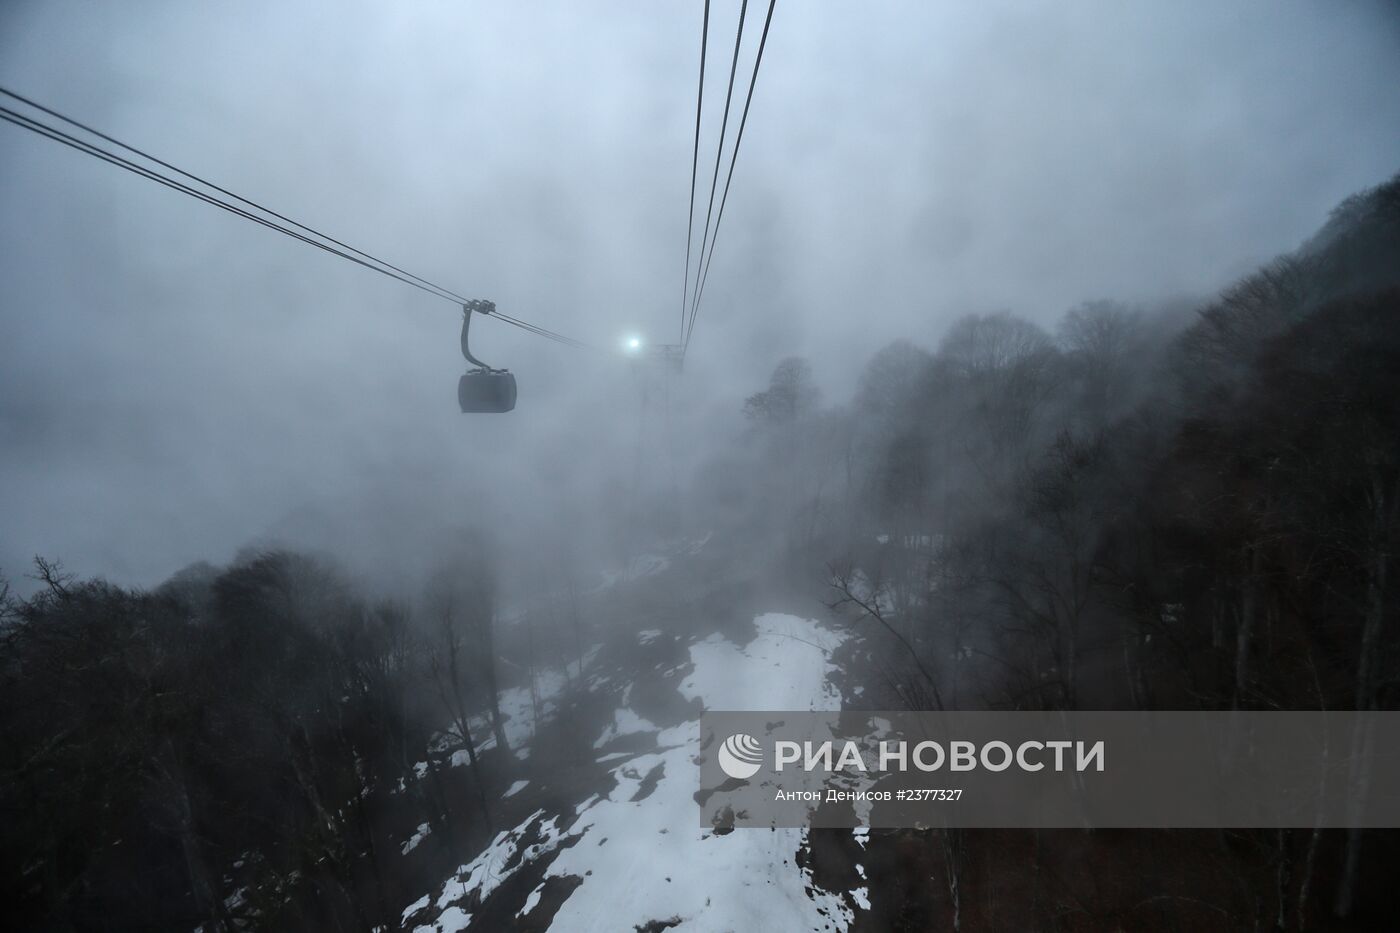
[[694, 164], [738, 140], [209, 184], [309, 236], [719, 155], [66, 139]]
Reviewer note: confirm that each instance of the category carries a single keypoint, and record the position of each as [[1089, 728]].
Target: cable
[[209, 184], [543, 332], [57, 135], [348, 252], [719, 156], [694, 164], [738, 140]]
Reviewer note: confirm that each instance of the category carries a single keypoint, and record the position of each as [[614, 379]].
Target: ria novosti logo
[[740, 756]]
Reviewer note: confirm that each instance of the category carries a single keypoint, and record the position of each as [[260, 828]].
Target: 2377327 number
[[930, 793]]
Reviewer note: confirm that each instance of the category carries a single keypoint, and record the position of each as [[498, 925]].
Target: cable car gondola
[[483, 390]]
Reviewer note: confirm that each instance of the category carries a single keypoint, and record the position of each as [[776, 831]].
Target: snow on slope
[[518, 720], [625, 722], [489, 870], [518, 710], [658, 864], [639, 849], [785, 667]]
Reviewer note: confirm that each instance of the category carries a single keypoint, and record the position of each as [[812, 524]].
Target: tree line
[[1145, 508], [264, 721]]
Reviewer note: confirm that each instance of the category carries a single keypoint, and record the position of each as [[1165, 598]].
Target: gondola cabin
[[484, 391]]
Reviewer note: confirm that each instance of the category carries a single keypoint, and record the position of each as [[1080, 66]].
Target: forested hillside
[[1147, 508]]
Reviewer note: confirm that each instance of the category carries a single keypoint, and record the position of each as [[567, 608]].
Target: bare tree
[[445, 664], [846, 581]]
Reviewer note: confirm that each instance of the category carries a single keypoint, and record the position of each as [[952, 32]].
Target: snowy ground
[[639, 850], [649, 565], [518, 708]]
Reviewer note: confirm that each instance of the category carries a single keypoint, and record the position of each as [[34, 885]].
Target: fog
[[176, 384], [1048, 363]]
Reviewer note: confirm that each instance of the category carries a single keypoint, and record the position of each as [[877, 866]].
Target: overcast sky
[[176, 383]]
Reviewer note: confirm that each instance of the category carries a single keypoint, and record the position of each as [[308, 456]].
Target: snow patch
[[518, 710], [616, 755], [784, 667], [489, 870], [517, 721], [669, 867], [532, 901], [416, 906], [659, 863], [625, 722], [423, 830], [452, 920], [646, 565]]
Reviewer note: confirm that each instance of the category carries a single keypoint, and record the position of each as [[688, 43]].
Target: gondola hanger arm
[[480, 306]]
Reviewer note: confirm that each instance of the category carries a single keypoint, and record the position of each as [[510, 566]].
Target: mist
[[1047, 363], [178, 384]]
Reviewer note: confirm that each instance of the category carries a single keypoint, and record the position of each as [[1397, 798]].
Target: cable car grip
[[481, 306]]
